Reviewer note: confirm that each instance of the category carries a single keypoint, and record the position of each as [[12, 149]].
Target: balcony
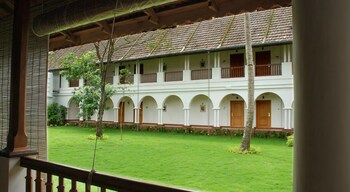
[[127, 80], [268, 70], [232, 72], [102, 181], [173, 76], [149, 78], [201, 74]]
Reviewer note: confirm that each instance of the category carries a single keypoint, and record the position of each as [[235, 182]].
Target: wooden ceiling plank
[[213, 6], [152, 16], [105, 27], [70, 37]]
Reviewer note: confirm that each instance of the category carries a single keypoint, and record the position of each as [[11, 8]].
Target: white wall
[[73, 111], [196, 116], [150, 114], [150, 66], [174, 113], [108, 113], [129, 110], [174, 63]]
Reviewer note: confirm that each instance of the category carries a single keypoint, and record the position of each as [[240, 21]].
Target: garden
[[196, 162]]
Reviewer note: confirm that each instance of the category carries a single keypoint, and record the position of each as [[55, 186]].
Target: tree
[[245, 145]]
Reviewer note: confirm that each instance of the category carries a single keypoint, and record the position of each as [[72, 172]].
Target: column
[[186, 117], [216, 119], [116, 75], [287, 114], [81, 82], [187, 71], [115, 114], [137, 76], [216, 70], [322, 92], [81, 118], [160, 116], [160, 73], [137, 115]]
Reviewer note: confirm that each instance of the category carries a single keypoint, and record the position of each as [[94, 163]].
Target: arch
[[73, 110], [201, 110], [108, 113], [126, 110], [173, 110], [232, 110], [269, 110], [148, 110]]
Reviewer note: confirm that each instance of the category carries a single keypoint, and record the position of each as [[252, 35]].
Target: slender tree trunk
[[101, 108], [245, 145]]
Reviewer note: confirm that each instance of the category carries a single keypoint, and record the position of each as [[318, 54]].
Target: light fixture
[[202, 63]]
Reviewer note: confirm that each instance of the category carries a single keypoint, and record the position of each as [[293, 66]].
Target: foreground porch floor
[[191, 161]]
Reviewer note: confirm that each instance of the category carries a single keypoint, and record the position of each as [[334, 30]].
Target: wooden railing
[[200, 74], [231, 72], [149, 78], [127, 79], [102, 181], [268, 70], [173, 76]]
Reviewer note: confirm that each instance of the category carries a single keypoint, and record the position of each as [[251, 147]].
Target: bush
[[252, 150], [290, 141], [103, 137], [56, 114]]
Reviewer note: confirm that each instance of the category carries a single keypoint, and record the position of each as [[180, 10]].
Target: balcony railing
[[173, 76], [231, 72], [149, 78], [75, 175], [127, 79], [268, 70], [200, 74]]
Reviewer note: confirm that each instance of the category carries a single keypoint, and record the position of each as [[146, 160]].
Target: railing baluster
[[74, 186], [28, 178], [103, 189], [38, 181], [87, 187], [49, 183], [60, 186]]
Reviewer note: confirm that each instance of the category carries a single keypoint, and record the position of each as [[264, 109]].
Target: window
[[74, 83]]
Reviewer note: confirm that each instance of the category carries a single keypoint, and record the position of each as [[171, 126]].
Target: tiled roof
[[269, 26]]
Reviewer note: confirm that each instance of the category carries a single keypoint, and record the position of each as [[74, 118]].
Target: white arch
[[173, 110], [148, 110], [72, 110], [201, 110]]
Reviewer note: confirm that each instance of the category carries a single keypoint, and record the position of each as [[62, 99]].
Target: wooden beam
[[105, 27], [152, 16], [70, 37], [213, 5], [17, 138]]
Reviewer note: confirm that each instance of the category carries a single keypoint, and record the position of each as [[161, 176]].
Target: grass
[[195, 162]]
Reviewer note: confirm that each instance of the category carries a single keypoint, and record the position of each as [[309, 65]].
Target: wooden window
[[74, 83]]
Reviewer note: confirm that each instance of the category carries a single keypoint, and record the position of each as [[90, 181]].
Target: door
[[237, 65], [263, 114], [237, 114], [121, 113], [263, 61], [141, 113]]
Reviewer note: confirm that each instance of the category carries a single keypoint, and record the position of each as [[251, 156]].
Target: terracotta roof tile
[[208, 35]]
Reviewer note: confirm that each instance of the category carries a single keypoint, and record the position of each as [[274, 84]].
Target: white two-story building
[[195, 74]]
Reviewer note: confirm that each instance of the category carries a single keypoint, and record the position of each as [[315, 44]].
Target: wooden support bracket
[[152, 15]]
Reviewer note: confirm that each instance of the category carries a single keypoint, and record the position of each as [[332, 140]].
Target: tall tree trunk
[[245, 145], [101, 108]]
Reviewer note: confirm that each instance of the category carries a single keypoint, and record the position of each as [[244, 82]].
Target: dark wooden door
[[141, 113], [263, 61], [121, 114], [237, 65], [237, 114], [263, 114]]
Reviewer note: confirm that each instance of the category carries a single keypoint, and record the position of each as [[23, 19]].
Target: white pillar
[[115, 114], [287, 118], [186, 116], [80, 117], [246, 71], [187, 71], [12, 174], [216, 119], [116, 76], [286, 69], [137, 114], [160, 116], [322, 92]]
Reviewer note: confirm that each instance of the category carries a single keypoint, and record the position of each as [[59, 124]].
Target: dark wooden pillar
[[17, 138], [322, 95]]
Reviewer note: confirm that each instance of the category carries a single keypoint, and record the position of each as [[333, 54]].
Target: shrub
[[56, 114], [252, 150], [290, 141], [103, 137]]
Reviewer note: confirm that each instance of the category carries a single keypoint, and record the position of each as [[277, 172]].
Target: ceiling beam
[[105, 27], [70, 37], [213, 6], [152, 16]]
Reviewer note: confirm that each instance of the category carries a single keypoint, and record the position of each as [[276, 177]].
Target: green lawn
[[195, 162]]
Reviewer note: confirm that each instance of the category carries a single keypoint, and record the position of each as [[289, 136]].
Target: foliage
[[56, 114], [290, 141], [87, 96], [251, 150], [93, 137], [200, 163]]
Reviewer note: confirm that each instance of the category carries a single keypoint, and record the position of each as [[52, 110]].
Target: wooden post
[[17, 138]]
